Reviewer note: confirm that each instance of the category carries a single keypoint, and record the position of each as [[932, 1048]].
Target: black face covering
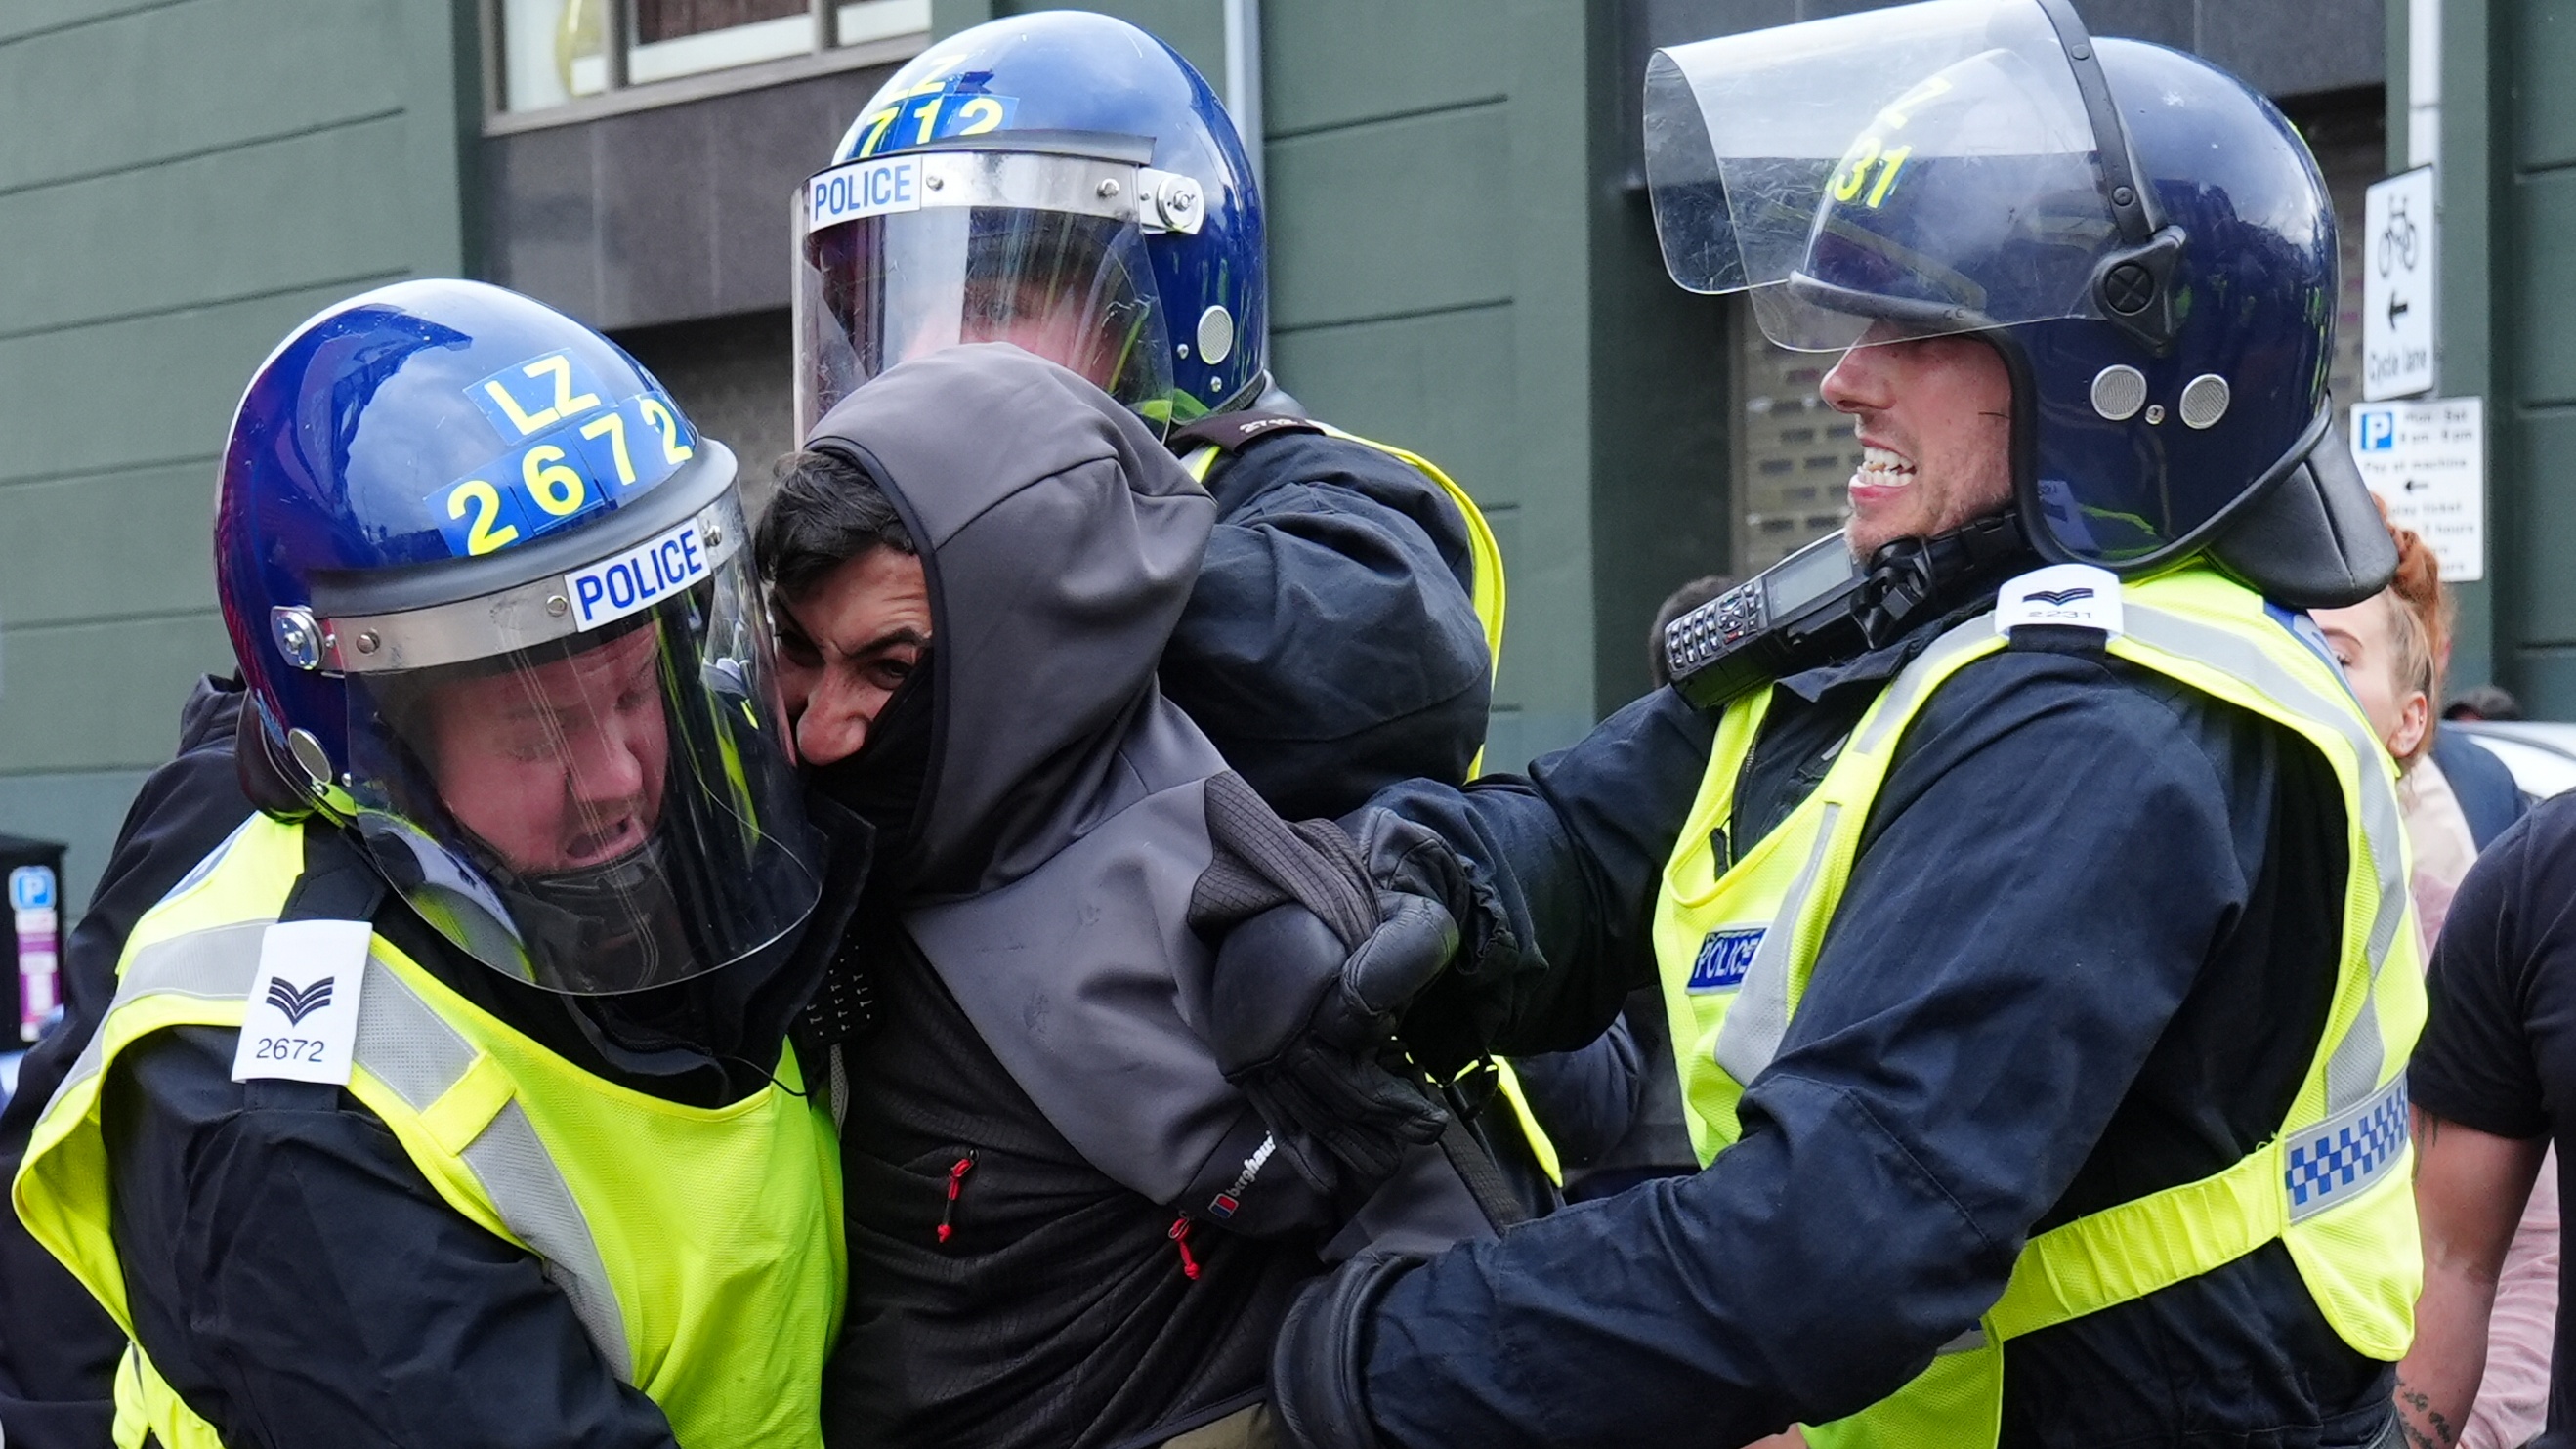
[[884, 783]]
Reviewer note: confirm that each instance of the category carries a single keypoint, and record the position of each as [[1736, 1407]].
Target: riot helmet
[[2144, 237], [493, 599], [1063, 181]]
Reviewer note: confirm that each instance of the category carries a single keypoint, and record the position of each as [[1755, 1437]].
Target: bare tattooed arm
[[2469, 1192]]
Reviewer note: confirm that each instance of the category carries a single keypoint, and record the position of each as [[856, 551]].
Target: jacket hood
[[1059, 540]]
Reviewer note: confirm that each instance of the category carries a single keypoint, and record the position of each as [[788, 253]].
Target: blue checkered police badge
[[1724, 957]]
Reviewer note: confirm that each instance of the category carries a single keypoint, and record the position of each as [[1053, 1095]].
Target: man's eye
[[888, 673], [799, 651]]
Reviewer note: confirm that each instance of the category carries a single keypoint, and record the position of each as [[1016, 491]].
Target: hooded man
[[1065, 1226]]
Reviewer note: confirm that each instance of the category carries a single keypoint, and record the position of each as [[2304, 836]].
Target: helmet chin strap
[[1913, 579]]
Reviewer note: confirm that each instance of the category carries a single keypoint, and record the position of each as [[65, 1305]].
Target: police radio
[[1793, 615]]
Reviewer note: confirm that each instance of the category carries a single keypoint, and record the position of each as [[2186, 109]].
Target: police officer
[[1343, 630], [2040, 973], [447, 1101]]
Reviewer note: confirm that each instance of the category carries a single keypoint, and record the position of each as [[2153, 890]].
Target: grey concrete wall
[[2511, 269], [180, 184]]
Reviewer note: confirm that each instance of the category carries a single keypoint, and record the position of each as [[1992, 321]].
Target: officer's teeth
[[1885, 467]]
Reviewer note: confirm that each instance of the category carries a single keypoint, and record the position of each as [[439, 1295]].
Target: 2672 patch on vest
[[1724, 957]]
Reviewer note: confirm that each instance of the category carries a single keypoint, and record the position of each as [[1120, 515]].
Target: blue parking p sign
[[2378, 429], [31, 888]]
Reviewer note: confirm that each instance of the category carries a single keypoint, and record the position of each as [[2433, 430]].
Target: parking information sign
[[2398, 278], [2428, 462], [39, 928]]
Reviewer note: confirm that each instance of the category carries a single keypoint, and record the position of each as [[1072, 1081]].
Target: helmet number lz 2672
[[564, 474]]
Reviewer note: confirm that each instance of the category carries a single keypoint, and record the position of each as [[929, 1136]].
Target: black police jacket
[[58, 1348], [2084, 955], [1331, 645]]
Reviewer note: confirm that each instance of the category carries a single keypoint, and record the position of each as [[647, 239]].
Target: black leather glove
[[1317, 1365], [1304, 1025]]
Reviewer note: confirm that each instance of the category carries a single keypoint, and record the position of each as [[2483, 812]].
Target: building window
[[556, 51]]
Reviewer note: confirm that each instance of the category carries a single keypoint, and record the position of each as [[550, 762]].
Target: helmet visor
[[1929, 166], [610, 811], [1044, 251]]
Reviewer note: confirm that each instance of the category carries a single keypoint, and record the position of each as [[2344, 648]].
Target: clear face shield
[[608, 807], [1927, 169], [899, 256]]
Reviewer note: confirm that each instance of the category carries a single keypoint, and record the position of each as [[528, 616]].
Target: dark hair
[[825, 512], [1679, 602]]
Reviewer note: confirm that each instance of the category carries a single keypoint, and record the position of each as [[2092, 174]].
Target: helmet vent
[[2120, 390], [2204, 400], [1216, 335]]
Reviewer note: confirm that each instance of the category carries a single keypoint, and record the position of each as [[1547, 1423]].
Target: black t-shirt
[[1055, 1309], [2498, 1053]]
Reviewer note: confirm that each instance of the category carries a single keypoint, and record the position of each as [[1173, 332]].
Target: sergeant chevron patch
[[301, 1021], [2072, 596]]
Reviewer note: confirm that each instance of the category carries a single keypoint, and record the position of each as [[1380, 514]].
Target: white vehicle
[[2540, 753]]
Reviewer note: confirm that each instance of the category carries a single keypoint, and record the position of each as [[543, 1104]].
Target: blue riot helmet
[[493, 600], [1061, 180], [2144, 238]]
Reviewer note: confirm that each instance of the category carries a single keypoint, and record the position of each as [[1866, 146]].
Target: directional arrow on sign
[[2396, 308], [2413, 485]]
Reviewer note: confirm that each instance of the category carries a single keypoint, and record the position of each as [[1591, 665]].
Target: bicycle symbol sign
[[2400, 238], [2397, 238]]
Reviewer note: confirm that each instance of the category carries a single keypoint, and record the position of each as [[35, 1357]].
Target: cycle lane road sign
[[2399, 279]]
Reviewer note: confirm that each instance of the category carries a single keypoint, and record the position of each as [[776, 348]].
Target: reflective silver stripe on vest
[[521, 1177], [2337, 1160], [210, 965], [1759, 1016], [2352, 1072], [405, 1044], [414, 1051]]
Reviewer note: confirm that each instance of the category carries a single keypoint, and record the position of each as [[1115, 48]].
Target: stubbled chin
[[1880, 515]]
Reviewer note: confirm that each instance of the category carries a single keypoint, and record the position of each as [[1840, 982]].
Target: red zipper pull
[[1180, 1236], [956, 1181]]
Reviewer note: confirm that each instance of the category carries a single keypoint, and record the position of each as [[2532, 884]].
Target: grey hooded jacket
[[1061, 1227]]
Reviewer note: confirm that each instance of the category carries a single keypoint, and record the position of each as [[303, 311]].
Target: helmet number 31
[[1871, 149]]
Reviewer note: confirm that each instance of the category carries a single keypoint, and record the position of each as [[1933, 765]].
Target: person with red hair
[[2393, 648]]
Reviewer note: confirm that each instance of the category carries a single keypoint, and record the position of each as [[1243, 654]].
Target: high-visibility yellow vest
[[1736, 946], [701, 1248]]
